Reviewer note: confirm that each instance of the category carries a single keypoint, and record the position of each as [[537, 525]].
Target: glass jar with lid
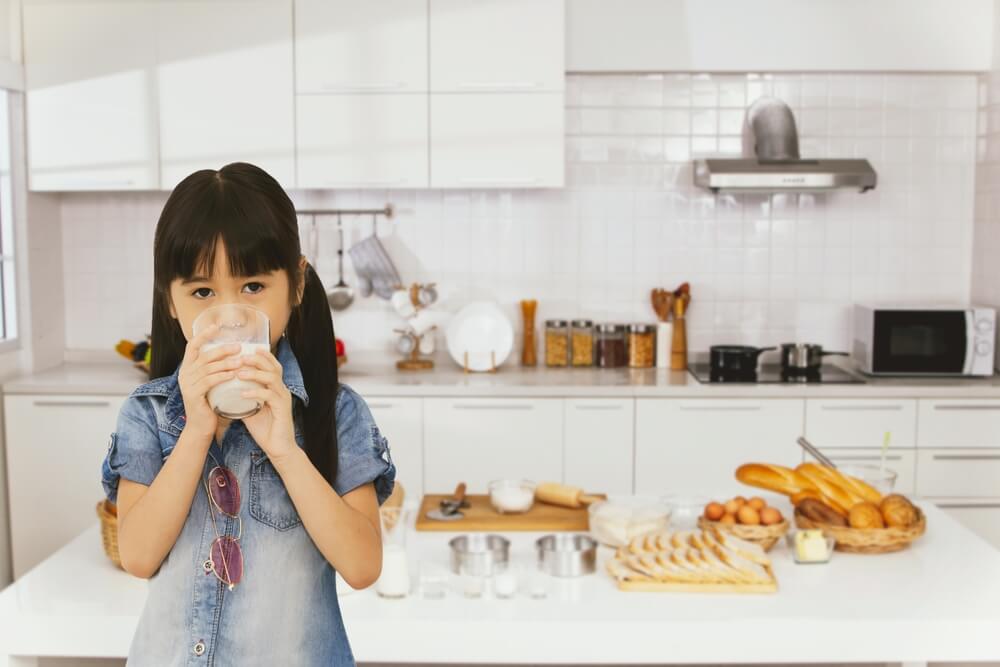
[[641, 345], [610, 350], [556, 343], [582, 343]]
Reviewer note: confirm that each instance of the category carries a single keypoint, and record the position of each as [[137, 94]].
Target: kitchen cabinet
[[497, 45], [480, 439], [958, 473], [362, 141], [597, 444], [401, 421], [91, 95], [55, 446], [984, 520], [347, 46], [693, 446], [903, 462], [958, 423], [489, 140], [861, 422], [225, 80]]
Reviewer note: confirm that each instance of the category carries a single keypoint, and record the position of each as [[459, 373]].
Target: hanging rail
[[387, 211]]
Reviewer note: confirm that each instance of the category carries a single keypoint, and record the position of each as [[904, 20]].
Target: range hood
[[771, 161]]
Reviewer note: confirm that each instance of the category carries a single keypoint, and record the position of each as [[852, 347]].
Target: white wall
[[763, 269], [986, 267]]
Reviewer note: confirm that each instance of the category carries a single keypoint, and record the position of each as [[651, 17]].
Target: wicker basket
[[109, 530], [874, 541], [765, 536]]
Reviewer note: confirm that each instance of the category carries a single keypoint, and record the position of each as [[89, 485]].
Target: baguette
[[831, 492], [774, 478]]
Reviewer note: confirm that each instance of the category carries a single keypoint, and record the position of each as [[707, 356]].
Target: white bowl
[[481, 331]]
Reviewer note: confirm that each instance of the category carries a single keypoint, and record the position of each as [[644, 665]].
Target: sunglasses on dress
[[225, 558]]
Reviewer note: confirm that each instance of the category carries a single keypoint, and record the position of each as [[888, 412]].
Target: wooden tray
[[685, 587], [480, 516]]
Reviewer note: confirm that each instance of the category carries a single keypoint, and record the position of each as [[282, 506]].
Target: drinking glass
[[237, 324]]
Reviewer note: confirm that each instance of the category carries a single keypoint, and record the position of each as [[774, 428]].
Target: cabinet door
[[597, 450], [476, 440], [693, 447], [959, 423], [226, 87], [848, 422], [362, 141], [984, 520], [958, 473], [90, 71], [903, 462], [497, 140], [351, 46], [55, 446], [493, 45], [401, 421]]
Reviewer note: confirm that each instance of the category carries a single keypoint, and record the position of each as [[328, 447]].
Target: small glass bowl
[[685, 510], [830, 544], [616, 521], [512, 496], [883, 480]]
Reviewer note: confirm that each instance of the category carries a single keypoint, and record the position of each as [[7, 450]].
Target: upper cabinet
[[90, 75], [351, 46], [497, 45], [778, 35], [225, 87]]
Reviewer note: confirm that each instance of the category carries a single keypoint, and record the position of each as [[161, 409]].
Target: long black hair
[[246, 208]]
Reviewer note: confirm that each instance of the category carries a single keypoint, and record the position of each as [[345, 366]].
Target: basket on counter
[[868, 541], [108, 515], [765, 536]]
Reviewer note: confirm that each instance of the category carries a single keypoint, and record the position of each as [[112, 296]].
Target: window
[[8, 291]]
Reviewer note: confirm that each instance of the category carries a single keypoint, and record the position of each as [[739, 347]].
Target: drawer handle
[[598, 407], [720, 408], [382, 406], [499, 85], [969, 505], [868, 408], [967, 407], [506, 182], [366, 184], [966, 457], [72, 404], [873, 457], [495, 406], [361, 87]]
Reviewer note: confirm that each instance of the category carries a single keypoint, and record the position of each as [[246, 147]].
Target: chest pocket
[[269, 500]]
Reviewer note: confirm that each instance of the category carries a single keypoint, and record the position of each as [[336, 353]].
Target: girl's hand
[[272, 427], [199, 372]]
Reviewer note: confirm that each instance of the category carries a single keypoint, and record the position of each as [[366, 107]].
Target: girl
[[240, 525]]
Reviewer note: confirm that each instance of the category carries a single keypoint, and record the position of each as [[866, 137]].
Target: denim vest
[[285, 609]]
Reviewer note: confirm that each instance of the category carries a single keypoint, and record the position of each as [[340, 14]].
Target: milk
[[394, 582], [225, 397]]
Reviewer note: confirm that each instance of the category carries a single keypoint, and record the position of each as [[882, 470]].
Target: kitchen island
[[937, 601]]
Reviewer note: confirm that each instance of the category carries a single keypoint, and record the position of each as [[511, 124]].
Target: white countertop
[[377, 376], [936, 601]]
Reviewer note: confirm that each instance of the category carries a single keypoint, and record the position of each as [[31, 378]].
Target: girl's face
[[267, 292]]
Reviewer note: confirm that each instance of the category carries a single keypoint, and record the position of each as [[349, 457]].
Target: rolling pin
[[555, 493]]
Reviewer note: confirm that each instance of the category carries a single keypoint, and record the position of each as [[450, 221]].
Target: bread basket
[[765, 536], [872, 541], [109, 530]]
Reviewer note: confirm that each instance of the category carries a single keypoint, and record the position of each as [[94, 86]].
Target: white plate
[[480, 328]]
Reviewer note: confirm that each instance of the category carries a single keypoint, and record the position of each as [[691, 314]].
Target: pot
[[736, 360], [803, 357]]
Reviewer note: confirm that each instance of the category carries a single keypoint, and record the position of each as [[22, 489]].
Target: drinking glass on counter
[[394, 581], [237, 324]]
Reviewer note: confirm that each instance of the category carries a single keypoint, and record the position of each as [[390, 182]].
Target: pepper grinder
[[528, 356], [678, 348]]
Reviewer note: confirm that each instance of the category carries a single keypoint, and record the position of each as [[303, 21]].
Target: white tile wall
[[763, 269], [985, 265]]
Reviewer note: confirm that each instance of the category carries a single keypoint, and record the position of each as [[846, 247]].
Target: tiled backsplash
[[763, 269], [986, 256]]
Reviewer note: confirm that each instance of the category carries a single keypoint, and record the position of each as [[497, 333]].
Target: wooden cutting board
[[480, 516]]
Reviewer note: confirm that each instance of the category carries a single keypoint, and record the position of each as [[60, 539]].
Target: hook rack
[[386, 210]]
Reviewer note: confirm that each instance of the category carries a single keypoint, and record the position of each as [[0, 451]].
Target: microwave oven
[[924, 340]]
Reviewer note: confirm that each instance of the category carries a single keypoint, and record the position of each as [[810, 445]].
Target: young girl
[[241, 525]]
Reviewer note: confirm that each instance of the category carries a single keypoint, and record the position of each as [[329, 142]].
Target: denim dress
[[285, 609]]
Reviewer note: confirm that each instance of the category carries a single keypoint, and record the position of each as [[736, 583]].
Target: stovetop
[[772, 374]]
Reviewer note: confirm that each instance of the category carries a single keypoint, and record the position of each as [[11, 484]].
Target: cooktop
[[772, 374]]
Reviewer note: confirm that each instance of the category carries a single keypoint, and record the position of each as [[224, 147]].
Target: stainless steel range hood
[[771, 161]]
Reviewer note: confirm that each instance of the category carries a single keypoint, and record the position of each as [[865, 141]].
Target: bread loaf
[[816, 510], [774, 478]]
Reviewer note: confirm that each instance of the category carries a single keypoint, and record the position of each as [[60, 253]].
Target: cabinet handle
[[365, 184], [967, 407], [966, 457], [494, 406], [362, 87], [720, 408], [72, 404], [869, 408], [102, 184], [873, 457], [507, 182], [960, 506], [499, 85], [381, 406], [598, 407]]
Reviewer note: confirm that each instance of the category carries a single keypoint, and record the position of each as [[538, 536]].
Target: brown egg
[[757, 503], [714, 511], [748, 516], [770, 516], [732, 506], [728, 518], [741, 500]]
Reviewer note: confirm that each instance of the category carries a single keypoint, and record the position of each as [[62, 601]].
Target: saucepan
[[736, 360], [804, 357]]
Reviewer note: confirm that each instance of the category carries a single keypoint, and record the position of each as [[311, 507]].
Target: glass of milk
[[394, 582], [237, 324]]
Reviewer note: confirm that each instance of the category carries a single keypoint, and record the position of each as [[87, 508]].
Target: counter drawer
[[901, 461], [958, 423], [861, 422], [958, 473]]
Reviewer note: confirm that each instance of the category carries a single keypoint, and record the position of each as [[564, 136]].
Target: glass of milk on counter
[[237, 324]]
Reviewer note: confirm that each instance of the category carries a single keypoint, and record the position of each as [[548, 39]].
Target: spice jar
[[641, 345], [556, 343], [610, 345], [582, 343]]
